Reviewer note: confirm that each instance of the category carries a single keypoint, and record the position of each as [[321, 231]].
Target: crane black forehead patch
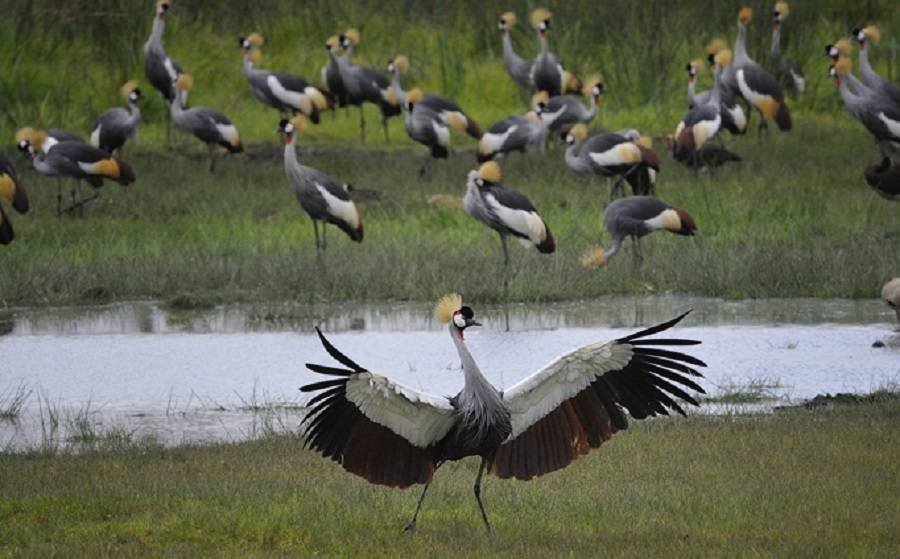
[[467, 312]]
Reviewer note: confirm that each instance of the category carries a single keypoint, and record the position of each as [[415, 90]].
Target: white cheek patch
[[459, 321]]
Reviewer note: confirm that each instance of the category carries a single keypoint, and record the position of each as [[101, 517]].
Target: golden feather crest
[[580, 131], [538, 16], [332, 42], [782, 8], [185, 82], [318, 99], [540, 97], [401, 63], [593, 258], [162, 2], [745, 16], [873, 33], [490, 172], [414, 95], [128, 87], [509, 18], [255, 39], [37, 140], [844, 47], [23, 134], [716, 45], [698, 66], [446, 306], [299, 123], [590, 83], [571, 82], [353, 35], [843, 65], [723, 57]]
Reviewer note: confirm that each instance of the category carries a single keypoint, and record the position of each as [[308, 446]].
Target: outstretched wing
[[375, 428], [578, 401]]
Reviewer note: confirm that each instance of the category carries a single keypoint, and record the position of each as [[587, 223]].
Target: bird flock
[[396, 436]]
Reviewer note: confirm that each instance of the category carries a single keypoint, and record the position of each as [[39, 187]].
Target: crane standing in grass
[[760, 88], [787, 71], [331, 72], [876, 112], [547, 72], [733, 118], [319, 195], [286, 93], [393, 435], [514, 133], [161, 70], [363, 85], [567, 110], [505, 211], [517, 67], [702, 122], [12, 191], [624, 155], [209, 126], [636, 217], [869, 76], [115, 126]]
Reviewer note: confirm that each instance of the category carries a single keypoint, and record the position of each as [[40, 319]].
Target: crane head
[[449, 308], [779, 14], [350, 38], [185, 82], [489, 173], [594, 258], [507, 21], [332, 43], [745, 16], [716, 45], [399, 63], [571, 82], [578, 133], [722, 58], [23, 138], [413, 97], [540, 20], [593, 87], [162, 6]]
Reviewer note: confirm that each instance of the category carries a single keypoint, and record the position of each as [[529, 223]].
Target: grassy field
[[798, 483], [794, 219]]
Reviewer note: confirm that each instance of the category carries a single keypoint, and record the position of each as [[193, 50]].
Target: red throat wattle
[[287, 139]]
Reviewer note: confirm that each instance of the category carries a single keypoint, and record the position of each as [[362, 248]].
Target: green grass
[[794, 219], [794, 484]]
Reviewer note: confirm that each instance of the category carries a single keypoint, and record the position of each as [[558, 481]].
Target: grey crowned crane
[[876, 112], [428, 121], [449, 111], [613, 155], [393, 435], [636, 217], [12, 191], [513, 133], [733, 118], [760, 88], [564, 111], [505, 211], [322, 198], [787, 71], [79, 161], [547, 72], [711, 156], [209, 126], [703, 121], [870, 77], [51, 137], [364, 85], [161, 70], [891, 295], [287, 94], [517, 67], [331, 72], [884, 178], [115, 126]]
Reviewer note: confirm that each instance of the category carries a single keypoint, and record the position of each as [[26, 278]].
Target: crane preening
[[393, 435]]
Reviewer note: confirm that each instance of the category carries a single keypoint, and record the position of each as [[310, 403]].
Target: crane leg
[[487, 525], [324, 244], [384, 125], [81, 200], [411, 526], [212, 158], [362, 124], [505, 251], [316, 231], [58, 196], [423, 170], [763, 127]]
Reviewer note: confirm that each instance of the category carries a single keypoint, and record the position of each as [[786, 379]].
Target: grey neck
[[776, 43], [398, 91], [715, 97], [477, 391], [508, 51], [868, 74], [545, 48], [249, 68], [740, 45], [617, 243], [692, 91], [575, 162], [134, 111], [853, 102], [155, 40]]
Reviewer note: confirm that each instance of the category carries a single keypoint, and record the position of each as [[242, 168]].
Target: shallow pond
[[135, 370]]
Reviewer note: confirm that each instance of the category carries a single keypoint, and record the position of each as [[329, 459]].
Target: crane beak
[[470, 322]]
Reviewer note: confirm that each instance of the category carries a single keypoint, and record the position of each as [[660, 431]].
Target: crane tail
[[6, 231], [783, 116]]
